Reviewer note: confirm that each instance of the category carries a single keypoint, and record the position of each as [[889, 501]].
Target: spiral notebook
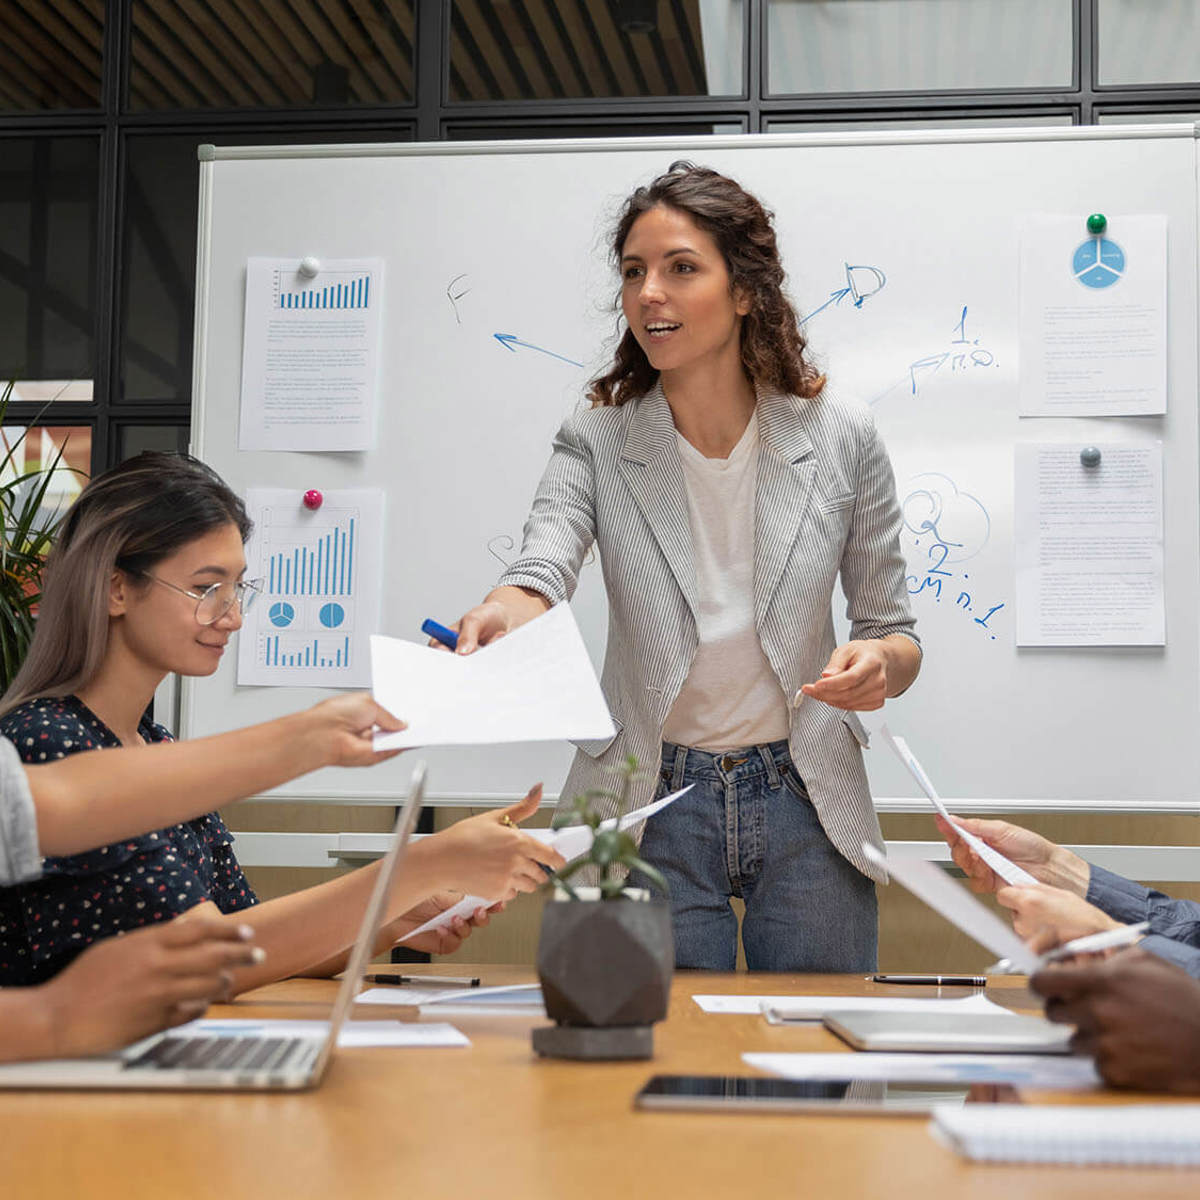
[[1143, 1135]]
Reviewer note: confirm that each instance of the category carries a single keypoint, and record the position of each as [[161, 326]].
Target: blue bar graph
[[354, 294], [309, 652], [324, 568]]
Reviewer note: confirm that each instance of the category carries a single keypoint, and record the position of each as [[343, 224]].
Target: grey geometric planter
[[605, 968]]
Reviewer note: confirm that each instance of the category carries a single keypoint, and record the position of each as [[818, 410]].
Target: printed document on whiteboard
[[310, 355], [1093, 317], [321, 588], [1089, 546]]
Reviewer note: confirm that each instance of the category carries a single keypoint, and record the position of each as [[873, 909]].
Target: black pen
[[977, 981], [434, 980]]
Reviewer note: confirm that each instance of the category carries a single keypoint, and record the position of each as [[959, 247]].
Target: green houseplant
[[28, 533], [605, 954]]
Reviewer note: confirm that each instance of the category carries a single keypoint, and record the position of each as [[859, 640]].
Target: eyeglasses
[[215, 601]]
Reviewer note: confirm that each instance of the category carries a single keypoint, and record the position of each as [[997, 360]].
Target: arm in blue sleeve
[[1174, 924]]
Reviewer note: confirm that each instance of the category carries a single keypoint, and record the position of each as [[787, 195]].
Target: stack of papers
[[536, 684], [571, 842], [1129, 1135]]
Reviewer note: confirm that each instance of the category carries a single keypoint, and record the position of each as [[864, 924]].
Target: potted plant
[[28, 530], [606, 953]]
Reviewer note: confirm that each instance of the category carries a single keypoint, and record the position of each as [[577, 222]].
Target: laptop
[[949, 1033], [227, 1060]]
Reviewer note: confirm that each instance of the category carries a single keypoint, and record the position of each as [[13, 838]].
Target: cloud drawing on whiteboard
[[937, 512]]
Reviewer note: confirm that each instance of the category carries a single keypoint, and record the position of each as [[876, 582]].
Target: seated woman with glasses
[[146, 578]]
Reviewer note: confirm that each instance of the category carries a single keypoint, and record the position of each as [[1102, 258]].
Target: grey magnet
[[1090, 456]]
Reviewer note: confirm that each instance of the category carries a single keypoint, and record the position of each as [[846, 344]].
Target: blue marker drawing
[[957, 520], [510, 341], [945, 526], [962, 354], [1098, 263], [858, 288]]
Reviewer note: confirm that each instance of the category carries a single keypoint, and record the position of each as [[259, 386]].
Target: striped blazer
[[826, 502]]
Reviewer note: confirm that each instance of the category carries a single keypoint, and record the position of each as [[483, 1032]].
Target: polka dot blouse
[[81, 899]]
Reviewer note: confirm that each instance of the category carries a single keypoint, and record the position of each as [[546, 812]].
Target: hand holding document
[[536, 684], [960, 908], [571, 842], [1007, 870]]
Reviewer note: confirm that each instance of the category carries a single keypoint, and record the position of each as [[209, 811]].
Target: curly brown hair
[[772, 345]]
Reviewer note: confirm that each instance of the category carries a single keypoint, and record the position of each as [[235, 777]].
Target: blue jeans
[[747, 828]]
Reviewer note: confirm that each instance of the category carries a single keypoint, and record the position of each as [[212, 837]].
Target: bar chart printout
[[310, 354], [321, 573]]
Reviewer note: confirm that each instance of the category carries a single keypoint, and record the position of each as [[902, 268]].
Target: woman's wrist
[[1070, 872]]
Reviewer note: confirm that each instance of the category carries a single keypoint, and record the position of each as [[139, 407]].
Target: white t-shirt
[[731, 696]]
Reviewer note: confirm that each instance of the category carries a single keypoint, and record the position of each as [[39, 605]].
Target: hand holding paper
[[1008, 871], [571, 843], [537, 684]]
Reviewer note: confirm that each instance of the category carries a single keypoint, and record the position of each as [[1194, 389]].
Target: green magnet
[[1097, 223]]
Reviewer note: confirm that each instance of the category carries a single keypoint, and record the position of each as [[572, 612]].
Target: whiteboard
[[921, 227]]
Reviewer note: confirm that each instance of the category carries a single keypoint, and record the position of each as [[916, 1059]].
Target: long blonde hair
[[128, 519]]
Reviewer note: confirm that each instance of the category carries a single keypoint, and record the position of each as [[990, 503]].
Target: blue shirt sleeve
[[1174, 924]]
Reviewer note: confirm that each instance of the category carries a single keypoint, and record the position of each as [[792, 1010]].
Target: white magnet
[[310, 267]]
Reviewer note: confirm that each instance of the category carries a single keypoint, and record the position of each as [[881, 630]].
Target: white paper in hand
[[536, 684], [571, 842], [1005, 868], [958, 906]]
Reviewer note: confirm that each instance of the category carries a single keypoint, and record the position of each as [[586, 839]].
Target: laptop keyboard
[[223, 1054]]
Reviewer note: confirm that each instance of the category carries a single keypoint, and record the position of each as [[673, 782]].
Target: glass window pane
[[269, 54], [476, 132], [1148, 118], [48, 218], [133, 439], [832, 46], [159, 250], [933, 121], [51, 54], [37, 448], [578, 49], [1143, 42]]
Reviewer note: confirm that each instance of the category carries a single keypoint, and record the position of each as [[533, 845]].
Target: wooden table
[[494, 1122]]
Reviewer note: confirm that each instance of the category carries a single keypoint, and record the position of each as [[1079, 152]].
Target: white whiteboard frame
[[680, 147]]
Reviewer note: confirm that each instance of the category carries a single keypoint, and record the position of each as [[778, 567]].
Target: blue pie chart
[[1098, 263], [331, 615], [281, 614]]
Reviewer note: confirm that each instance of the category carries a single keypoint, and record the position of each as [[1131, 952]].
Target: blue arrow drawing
[[853, 289], [510, 342]]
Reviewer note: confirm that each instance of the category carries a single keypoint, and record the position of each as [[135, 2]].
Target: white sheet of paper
[[1050, 1071], [1006, 869], [310, 355], [523, 997], [958, 906], [537, 684], [810, 1008], [1093, 317], [1089, 545], [570, 842], [354, 1033], [322, 586]]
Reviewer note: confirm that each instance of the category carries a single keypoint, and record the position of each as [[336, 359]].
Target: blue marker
[[440, 633]]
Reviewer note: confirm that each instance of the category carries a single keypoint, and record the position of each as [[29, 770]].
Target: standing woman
[[726, 488]]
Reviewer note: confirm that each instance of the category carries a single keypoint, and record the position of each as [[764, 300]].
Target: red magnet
[[313, 499]]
